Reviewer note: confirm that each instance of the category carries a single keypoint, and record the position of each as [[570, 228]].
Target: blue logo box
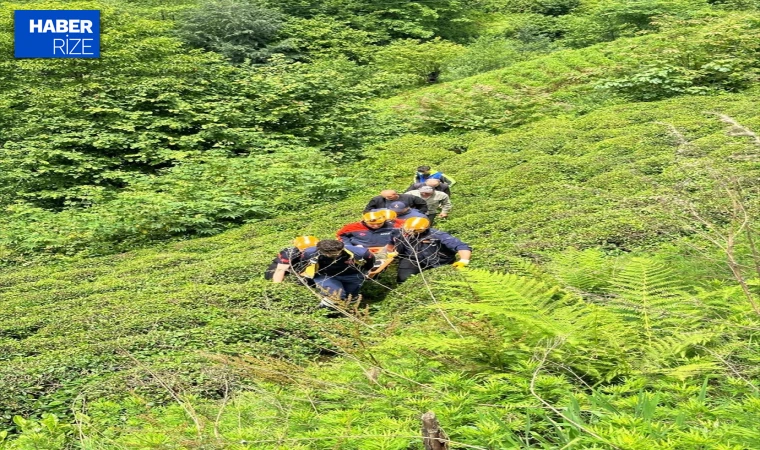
[[56, 34]]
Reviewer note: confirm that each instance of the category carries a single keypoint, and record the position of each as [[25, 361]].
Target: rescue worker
[[434, 200], [420, 247], [389, 196], [425, 172], [433, 183], [374, 230], [404, 212], [289, 259], [337, 269]]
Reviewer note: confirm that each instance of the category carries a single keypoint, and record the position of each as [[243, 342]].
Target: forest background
[[606, 153]]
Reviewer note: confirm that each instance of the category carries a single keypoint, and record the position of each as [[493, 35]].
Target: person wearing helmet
[[420, 247], [374, 230], [425, 173], [388, 196], [289, 260], [337, 269]]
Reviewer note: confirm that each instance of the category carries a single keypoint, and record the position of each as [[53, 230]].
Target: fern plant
[[522, 312], [646, 292], [587, 270]]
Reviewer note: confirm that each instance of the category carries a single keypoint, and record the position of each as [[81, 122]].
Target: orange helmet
[[416, 225], [375, 217], [304, 242]]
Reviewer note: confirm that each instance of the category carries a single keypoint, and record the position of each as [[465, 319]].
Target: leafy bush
[[544, 7], [122, 135], [611, 19], [583, 30], [638, 14], [324, 37], [740, 5], [720, 56], [423, 60], [559, 83], [385, 22], [654, 83], [484, 54], [49, 433], [203, 196], [88, 127], [534, 32], [479, 108], [239, 30]]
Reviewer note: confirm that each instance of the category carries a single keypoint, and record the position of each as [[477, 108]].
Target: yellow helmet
[[416, 225], [304, 242], [389, 214], [375, 217]]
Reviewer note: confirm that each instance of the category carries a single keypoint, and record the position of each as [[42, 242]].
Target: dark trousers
[[431, 218], [409, 267], [343, 285]]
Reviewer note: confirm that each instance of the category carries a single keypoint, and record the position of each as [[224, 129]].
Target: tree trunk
[[433, 436]]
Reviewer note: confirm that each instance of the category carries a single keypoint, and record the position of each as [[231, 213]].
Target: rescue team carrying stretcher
[[393, 227]]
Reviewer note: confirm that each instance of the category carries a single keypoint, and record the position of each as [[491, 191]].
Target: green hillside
[[609, 192], [185, 309]]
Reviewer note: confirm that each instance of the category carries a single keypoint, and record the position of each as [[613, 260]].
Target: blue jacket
[[421, 178], [432, 248], [359, 234], [409, 214]]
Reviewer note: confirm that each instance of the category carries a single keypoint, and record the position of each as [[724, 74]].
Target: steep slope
[[173, 319], [718, 55], [596, 180]]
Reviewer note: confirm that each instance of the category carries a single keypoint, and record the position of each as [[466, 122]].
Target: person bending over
[[289, 260], [337, 269], [420, 247]]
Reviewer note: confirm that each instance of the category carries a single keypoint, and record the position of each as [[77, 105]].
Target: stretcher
[[382, 260]]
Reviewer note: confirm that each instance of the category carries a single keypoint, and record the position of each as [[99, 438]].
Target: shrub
[[486, 53], [423, 60], [479, 107], [740, 5], [719, 56], [608, 20], [203, 196], [385, 22], [544, 7], [537, 33], [324, 37], [654, 83], [239, 30]]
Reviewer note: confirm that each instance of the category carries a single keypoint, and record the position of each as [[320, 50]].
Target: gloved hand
[[391, 255], [461, 263]]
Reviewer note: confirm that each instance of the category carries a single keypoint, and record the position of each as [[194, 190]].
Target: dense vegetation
[[608, 181]]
